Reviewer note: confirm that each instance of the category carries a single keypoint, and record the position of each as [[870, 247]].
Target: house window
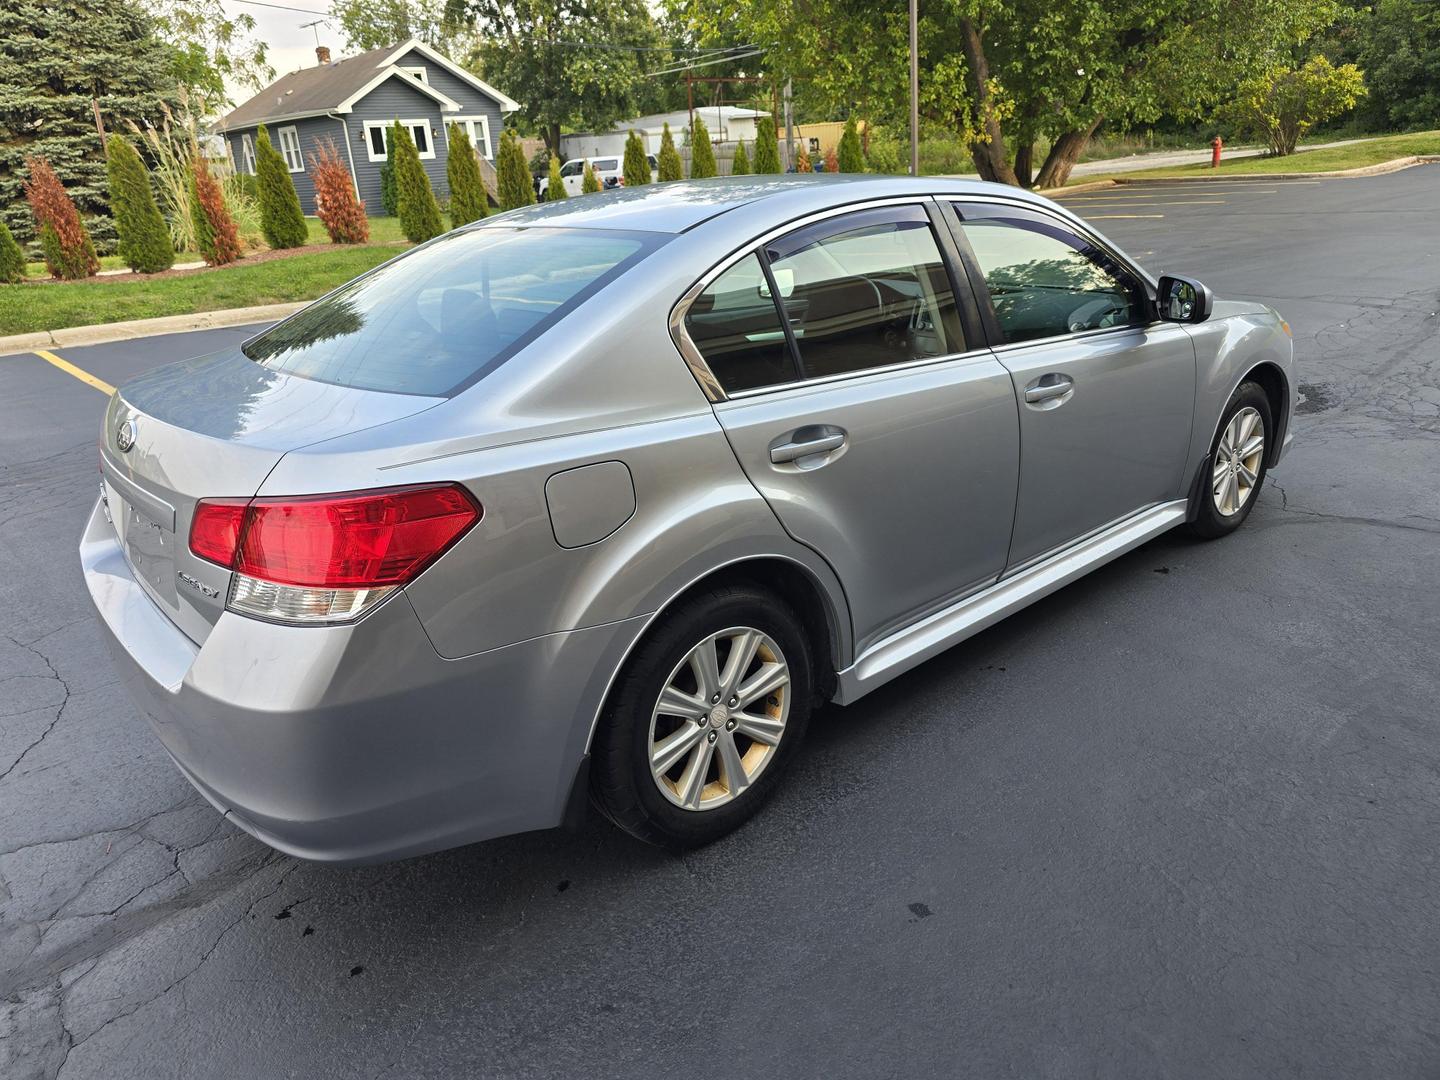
[[376, 135], [477, 129], [247, 155], [417, 73], [290, 149]]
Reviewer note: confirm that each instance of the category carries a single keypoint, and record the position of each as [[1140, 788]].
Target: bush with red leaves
[[69, 252], [342, 214], [215, 232]]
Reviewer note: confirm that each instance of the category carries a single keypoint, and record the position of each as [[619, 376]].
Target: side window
[[866, 290], [735, 326], [572, 168], [1045, 280]]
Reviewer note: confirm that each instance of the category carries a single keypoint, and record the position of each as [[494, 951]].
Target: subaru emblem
[[125, 436]]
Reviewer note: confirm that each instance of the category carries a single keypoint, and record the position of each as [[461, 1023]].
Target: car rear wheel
[[1237, 464], [703, 719]]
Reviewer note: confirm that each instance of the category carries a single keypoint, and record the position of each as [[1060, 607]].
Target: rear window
[[605, 164], [446, 314]]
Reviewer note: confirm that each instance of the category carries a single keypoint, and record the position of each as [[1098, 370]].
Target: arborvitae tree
[[419, 212], [215, 231], [802, 161], [281, 219], [12, 259], [144, 238], [851, 159], [702, 154], [671, 167], [555, 186], [513, 173], [767, 146], [740, 164], [468, 200], [589, 185], [832, 160], [56, 55], [67, 247], [637, 164], [336, 204], [388, 201]]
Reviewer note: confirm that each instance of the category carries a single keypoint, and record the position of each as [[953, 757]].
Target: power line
[[707, 63], [282, 7]]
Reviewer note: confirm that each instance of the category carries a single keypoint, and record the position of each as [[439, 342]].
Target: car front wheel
[[703, 719], [1237, 463]]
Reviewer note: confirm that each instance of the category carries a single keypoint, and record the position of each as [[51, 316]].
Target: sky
[[288, 46]]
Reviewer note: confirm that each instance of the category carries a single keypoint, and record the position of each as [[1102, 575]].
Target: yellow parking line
[[70, 369], [1102, 217]]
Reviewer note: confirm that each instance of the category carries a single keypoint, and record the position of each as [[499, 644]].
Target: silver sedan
[[595, 502]]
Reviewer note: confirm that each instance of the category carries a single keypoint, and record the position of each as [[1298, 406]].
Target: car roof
[[680, 205]]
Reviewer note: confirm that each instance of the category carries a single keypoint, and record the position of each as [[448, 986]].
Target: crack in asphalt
[[59, 712]]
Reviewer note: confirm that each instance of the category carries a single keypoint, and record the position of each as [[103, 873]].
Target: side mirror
[[1183, 299]]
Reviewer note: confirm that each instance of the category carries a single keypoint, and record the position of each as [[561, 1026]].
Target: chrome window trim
[[714, 392]]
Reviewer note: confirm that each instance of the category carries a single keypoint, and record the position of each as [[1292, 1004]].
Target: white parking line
[[1102, 217]]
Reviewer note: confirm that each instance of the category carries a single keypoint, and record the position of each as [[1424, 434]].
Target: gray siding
[[312, 131], [391, 100]]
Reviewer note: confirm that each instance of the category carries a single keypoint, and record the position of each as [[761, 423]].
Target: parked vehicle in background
[[610, 171], [598, 499]]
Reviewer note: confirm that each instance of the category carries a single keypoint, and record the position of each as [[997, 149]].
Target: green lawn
[[1334, 159], [25, 308], [383, 230]]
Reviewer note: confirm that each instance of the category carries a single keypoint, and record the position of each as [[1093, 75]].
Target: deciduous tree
[[1282, 105]]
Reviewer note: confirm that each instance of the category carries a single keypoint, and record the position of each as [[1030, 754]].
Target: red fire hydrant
[[1216, 145]]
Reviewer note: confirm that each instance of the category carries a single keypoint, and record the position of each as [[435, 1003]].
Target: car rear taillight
[[328, 558]]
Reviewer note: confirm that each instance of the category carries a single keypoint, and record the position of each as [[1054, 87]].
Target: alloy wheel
[[1237, 461], [719, 718]]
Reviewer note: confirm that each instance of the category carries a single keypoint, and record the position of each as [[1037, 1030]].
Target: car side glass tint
[[736, 327], [866, 290], [1045, 280]]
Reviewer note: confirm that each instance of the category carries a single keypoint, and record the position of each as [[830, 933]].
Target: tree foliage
[[851, 158], [802, 161], [513, 173], [68, 250], [144, 239], [419, 213], [589, 185], [55, 55], [12, 259], [637, 162], [210, 47], [555, 186], [1396, 43], [336, 204], [468, 199], [545, 52], [374, 24], [767, 146], [216, 236], [671, 167], [740, 163], [702, 153], [281, 219], [1282, 105]]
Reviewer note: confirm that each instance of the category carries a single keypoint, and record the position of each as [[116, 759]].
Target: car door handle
[[1047, 387], [805, 442]]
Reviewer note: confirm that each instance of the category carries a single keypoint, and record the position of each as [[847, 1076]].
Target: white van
[[610, 171]]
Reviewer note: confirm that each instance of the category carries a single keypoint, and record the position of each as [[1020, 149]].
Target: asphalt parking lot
[[1177, 820]]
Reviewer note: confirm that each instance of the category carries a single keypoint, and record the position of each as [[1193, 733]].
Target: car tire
[[1224, 499], [666, 807]]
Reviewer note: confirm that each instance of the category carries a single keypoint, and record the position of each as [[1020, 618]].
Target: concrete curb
[[139, 328]]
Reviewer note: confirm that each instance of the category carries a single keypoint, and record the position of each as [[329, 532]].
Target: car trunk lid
[[213, 427]]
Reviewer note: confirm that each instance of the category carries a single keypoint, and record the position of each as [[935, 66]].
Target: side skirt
[[912, 646]]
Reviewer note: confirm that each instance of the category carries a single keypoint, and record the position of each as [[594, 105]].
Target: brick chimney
[[322, 54]]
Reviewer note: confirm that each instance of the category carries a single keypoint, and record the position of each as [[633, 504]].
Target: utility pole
[[914, 87], [789, 129]]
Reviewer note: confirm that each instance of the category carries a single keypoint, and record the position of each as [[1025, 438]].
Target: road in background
[[1178, 819], [1161, 159]]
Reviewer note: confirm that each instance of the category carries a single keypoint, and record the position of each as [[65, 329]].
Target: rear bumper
[[358, 743]]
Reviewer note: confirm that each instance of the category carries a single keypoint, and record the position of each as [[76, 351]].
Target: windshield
[[444, 315]]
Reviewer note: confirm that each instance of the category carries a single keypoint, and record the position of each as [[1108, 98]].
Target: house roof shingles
[[309, 90]]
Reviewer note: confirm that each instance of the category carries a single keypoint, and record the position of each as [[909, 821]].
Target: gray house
[[352, 101]]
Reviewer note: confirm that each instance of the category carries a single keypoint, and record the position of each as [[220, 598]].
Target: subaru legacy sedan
[[596, 502]]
